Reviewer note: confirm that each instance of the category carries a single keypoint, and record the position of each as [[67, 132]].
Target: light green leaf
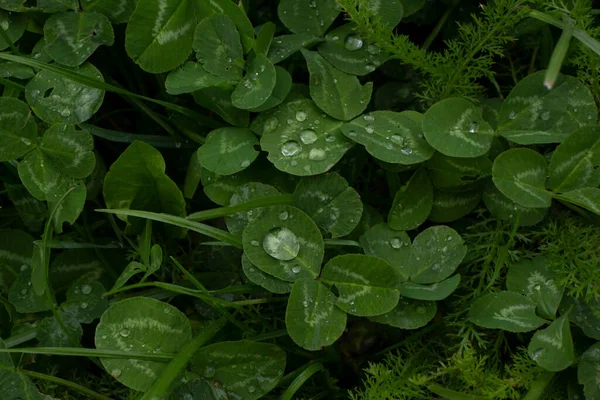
[[283, 85], [335, 92], [192, 77], [575, 163], [366, 285], [312, 319], [504, 208], [257, 85], [588, 198], [436, 253], [349, 52], [301, 140], [408, 314], [520, 174], [458, 174], [412, 203], [220, 188], [449, 206], [246, 192], [132, 269], [412, 6], [69, 151], [243, 369], [533, 114], [13, 26], [11, 69], [588, 372], [71, 38], [18, 131], [286, 45], [233, 11], [42, 180], [137, 181], [71, 206], [508, 311], [583, 315], [552, 348], [118, 11], [32, 211], [50, 333], [330, 202], [308, 16], [85, 301], [533, 278], [160, 33], [15, 384], [390, 136], [218, 99], [390, 11], [391, 245], [218, 47], [258, 277], [491, 110], [228, 150], [455, 127], [434, 292], [57, 99], [284, 243], [145, 325], [22, 296], [264, 37]]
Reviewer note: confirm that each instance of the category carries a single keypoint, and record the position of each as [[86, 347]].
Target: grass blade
[[82, 352], [283, 199], [558, 56], [158, 141]]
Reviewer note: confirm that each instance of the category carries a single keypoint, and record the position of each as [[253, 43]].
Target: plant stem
[[438, 27], [64, 382], [21, 337], [539, 386]]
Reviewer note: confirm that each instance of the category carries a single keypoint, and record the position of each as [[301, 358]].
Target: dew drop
[[65, 112], [84, 305], [116, 372], [449, 238], [317, 154], [296, 269], [271, 124], [283, 215], [282, 244], [474, 127], [86, 289], [372, 49], [512, 115], [395, 242], [370, 67], [248, 84], [251, 389], [399, 140], [308, 136], [369, 118], [209, 372], [407, 151], [370, 129], [537, 287], [291, 148], [300, 116], [353, 43], [436, 267], [254, 243], [421, 310], [124, 332], [245, 163], [545, 115], [23, 291], [23, 267], [330, 139]]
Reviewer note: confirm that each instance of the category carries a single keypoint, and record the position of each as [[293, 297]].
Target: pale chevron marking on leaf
[[319, 312], [64, 34], [364, 287], [148, 323], [575, 159], [536, 278], [76, 267], [160, 16], [78, 152], [553, 340], [411, 210], [121, 8], [534, 102], [7, 255], [458, 130], [169, 36], [453, 202], [143, 367], [508, 314], [528, 189]]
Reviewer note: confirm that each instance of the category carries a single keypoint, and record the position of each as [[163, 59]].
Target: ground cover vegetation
[[299, 199]]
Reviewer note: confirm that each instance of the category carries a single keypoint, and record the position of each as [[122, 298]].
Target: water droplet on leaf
[[283, 215], [317, 155], [291, 148], [270, 124], [301, 116], [308, 136], [353, 43], [124, 332], [86, 289], [282, 244], [399, 140]]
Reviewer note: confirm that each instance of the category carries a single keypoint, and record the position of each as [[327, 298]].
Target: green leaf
[[408, 314], [218, 99], [434, 292], [51, 334], [57, 99], [258, 277], [264, 37], [145, 325], [244, 193], [257, 85], [160, 33], [301, 140], [350, 53], [335, 92], [390, 11], [32, 211], [458, 174], [14, 70], [308, 16], [76, 265], [69, 151], [367, 285], [218, 47], [22, 295], [192, 77], [412, 6], [588, 198], [390, 136], [520, 174], [588, 372], [71, 38], [455, 127], [583, 314], [85, 301], [452, 394], [68, 208], [575, 163], [237, 15], [449, 207], [18, 131], [508, 311], [284, 243], [391, 245], [13, 26], [412, 203], [242, 369], [283, 85], [330, 202], [533, 114], [43, 181], [228, 150], [132, 269], [137, 181], [286, 45], [533, 278], [436, 253], [552, 348], [15, 384], [118, 11], [504, 208], [312, 319]]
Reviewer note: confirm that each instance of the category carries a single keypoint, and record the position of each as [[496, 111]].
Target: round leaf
[[218, 47], [408, 314], [412, 203], [457, 174], [436, 253], [42, 180], [588, 198], [250, 191], [258, 277], [588, 372], [308, 16], [390, 11], [13, 25], [392, 246], [18, 131], [284, 243], [22, 295], [72, 37], [55, 98], [449, 207], [520, 174], [552, 348], [258, 84], [330, 202], [218, 99], [289, 138], [70, 151], [228, 150], [505, 310], [283, 85], [85, 301], [367, 285], [140, 324], [437, 291], [584, 315], [243, 369], [50, 333], [192, 77], [455, 127], [118, 11], [312, 319], [504, 208], [284, 46]]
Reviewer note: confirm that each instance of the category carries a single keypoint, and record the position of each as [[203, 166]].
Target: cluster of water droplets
[[307, 137], [354, 42]]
